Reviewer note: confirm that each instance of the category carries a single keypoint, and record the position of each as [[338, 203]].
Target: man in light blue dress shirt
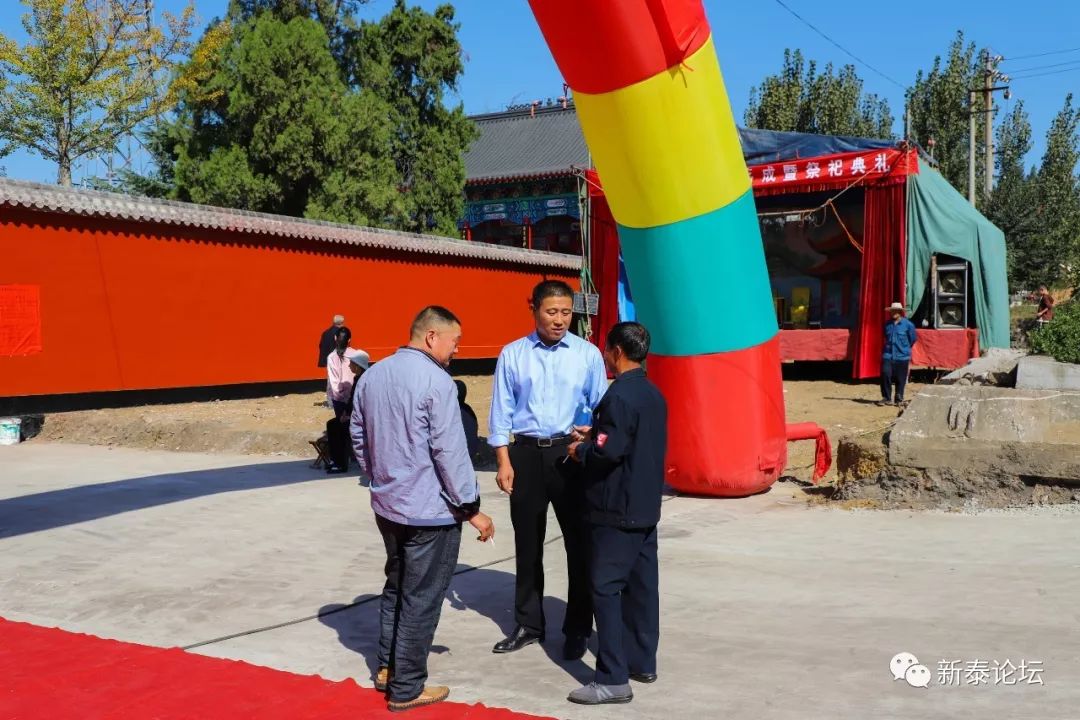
[[541, 382]]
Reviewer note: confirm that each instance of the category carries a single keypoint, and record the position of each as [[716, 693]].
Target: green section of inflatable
[[701, 285]]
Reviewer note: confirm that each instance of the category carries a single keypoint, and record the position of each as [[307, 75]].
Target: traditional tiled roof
[[521, 144], [92, 203]]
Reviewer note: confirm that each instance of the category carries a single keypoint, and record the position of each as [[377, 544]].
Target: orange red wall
[[127, 306]]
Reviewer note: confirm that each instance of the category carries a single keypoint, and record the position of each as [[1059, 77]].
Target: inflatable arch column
[[652, 103]]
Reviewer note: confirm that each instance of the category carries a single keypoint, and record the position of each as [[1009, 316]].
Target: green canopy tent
[[940, 221]]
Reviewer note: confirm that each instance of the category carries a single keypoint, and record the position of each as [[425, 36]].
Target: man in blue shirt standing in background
[[896, 355], [542, 381]]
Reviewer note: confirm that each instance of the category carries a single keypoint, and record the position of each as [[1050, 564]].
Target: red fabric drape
[[883, 264], [945, 349], [605, 266]]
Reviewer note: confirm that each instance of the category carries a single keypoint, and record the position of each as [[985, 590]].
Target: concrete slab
[[1038, 372], [997, 366], [770, 609], [1005, 431]]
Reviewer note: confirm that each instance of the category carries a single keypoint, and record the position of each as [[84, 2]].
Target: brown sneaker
[[430, 696], [382, 679]]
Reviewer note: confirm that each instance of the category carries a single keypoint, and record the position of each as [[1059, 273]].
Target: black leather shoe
[[518, 639], [646, 678], [574, 647]]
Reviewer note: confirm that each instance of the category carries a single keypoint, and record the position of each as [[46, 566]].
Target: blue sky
[[508, 61]]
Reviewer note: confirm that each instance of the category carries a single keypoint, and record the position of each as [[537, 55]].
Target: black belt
[[543, 442]]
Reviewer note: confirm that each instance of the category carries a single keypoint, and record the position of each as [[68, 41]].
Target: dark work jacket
[[326, 345], [472, 428], [623, 459]]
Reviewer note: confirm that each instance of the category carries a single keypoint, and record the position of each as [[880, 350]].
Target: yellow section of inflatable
[[667, 148]]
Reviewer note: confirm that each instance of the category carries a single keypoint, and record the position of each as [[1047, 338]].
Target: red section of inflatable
[[822, 449], [51, 673], [726, 429], [605, 46]]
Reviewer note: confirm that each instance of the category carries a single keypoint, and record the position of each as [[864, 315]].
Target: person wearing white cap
[[900, 337], [337, 428]]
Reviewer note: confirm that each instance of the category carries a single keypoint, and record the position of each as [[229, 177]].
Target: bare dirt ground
[[285, 424]]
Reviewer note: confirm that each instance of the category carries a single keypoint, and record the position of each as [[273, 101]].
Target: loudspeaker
[[951, 295]]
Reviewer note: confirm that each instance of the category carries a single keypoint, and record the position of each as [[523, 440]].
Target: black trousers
[[894, 372], [540, 479], [626, 599], [337, 437]]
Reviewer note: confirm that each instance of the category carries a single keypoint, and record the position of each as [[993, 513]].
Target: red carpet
[[49, 674]]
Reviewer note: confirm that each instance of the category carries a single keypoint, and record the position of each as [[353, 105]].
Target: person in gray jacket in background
[[407, 433]]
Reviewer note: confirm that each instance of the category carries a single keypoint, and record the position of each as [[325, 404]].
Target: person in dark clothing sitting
[[468, 419], [622, 460]]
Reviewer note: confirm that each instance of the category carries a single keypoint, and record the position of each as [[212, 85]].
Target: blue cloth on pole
[[626, 299]]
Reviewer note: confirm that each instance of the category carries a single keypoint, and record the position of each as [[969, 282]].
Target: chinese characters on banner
[[835, 168], [20, 320]]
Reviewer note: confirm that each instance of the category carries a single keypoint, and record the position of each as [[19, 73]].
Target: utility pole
[[988, 103], [990, 74], [971, 147], [907, 122]]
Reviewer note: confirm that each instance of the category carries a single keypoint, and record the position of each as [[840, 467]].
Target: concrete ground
[[771, 609]]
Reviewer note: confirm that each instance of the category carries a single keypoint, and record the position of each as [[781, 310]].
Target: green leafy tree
[[1012, 205], [90, 73], [939, 103], [312, 113], [801, 99], [1057, 191], [412, 60], [337, 17], [1060, 338], [277, 130]]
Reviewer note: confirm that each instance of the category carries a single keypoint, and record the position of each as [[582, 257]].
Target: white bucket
[[10, 431]]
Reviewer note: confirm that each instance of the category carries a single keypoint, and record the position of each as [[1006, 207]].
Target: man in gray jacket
[[407, 433]]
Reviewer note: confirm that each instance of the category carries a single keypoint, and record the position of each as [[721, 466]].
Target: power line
[[1042, 54], [1044, 67], [1045, 74], [838, 45]]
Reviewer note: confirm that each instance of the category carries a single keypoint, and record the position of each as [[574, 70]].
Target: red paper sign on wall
[[20, 320]]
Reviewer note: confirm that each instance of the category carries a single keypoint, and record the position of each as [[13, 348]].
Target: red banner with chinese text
[[827, 171]]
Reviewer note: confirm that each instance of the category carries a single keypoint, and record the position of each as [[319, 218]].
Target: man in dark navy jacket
[[623, 463]]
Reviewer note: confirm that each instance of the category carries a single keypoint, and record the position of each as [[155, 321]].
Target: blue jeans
[[626, 599], [894, 372], [420, 563]]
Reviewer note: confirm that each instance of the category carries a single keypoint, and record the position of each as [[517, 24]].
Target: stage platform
[[944, 349]]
